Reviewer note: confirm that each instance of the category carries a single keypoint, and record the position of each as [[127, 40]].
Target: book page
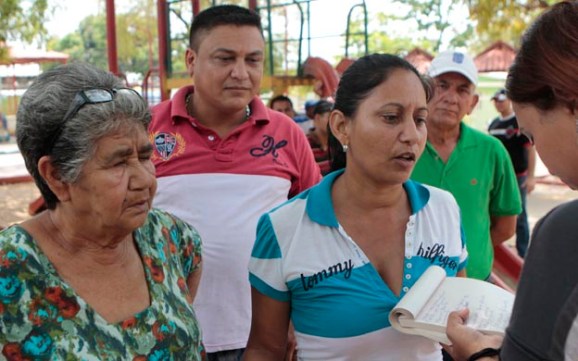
[[490, 307], [414, 300]]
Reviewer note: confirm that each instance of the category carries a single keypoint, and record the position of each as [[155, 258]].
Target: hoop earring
[[345, 148]]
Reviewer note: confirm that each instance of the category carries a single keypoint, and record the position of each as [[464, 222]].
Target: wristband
[[487, 352]]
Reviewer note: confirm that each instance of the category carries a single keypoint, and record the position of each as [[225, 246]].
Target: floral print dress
[[42, 318]]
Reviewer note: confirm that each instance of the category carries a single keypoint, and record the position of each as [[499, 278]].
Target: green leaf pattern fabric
[[41, 317]]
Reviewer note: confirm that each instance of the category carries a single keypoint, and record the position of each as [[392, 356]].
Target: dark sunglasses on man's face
[[89, 96]]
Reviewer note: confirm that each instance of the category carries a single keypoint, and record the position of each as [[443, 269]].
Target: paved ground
[[545, 197]]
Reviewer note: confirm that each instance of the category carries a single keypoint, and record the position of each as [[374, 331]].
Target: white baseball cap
[[451, 61]]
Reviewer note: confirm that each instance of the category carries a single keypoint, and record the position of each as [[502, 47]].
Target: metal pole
[[163, 36], [196, 7], [365, 33], [111, 37], [270, 33]]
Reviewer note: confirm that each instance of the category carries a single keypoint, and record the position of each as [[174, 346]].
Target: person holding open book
[[542, 84], [338, 257]]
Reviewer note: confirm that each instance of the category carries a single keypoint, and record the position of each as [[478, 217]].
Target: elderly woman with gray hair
[[99, 275]]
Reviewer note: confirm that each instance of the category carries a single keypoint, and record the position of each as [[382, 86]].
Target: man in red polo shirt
[[222, 159]]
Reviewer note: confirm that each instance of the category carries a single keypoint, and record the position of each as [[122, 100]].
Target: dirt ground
[[14, 199]]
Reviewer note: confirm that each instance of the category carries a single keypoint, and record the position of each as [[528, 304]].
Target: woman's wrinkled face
[[555, 136], [117, 185], [388, 132]]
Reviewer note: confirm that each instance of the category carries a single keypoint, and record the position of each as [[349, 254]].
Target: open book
[[425, 308]]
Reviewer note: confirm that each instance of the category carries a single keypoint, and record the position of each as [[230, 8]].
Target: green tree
[[490, 20], [379, 38], [180, 17], [136, 35], [504, 20], [87, 44], [92, 31], [21, 20], [137, 38], [432, 18]]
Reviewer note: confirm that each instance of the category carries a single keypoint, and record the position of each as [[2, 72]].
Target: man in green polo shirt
[[473, 166]]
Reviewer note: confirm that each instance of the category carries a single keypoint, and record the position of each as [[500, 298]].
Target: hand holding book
[[425, 308]]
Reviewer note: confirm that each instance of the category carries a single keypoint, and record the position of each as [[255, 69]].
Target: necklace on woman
[[189, 107]]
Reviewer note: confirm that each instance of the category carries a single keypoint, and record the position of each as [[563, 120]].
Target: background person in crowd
[[223, 159], [99, 275], [542, 85], [505, 128], [283, 104], [6, 136], [338, 257], [318, 135], [473, 166], [307, 118], [310, 108]]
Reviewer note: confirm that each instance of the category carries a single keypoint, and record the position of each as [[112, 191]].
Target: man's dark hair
[[322, 107], [214, 16], [280, 98]]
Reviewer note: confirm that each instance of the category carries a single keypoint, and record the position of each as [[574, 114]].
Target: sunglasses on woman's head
[[93, 96], [89, 96]]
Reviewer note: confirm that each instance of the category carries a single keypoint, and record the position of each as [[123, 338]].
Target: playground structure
[[11, 84], [289, 58], [296, 45]]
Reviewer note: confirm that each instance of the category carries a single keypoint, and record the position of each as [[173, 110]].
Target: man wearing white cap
[[473, 166]]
